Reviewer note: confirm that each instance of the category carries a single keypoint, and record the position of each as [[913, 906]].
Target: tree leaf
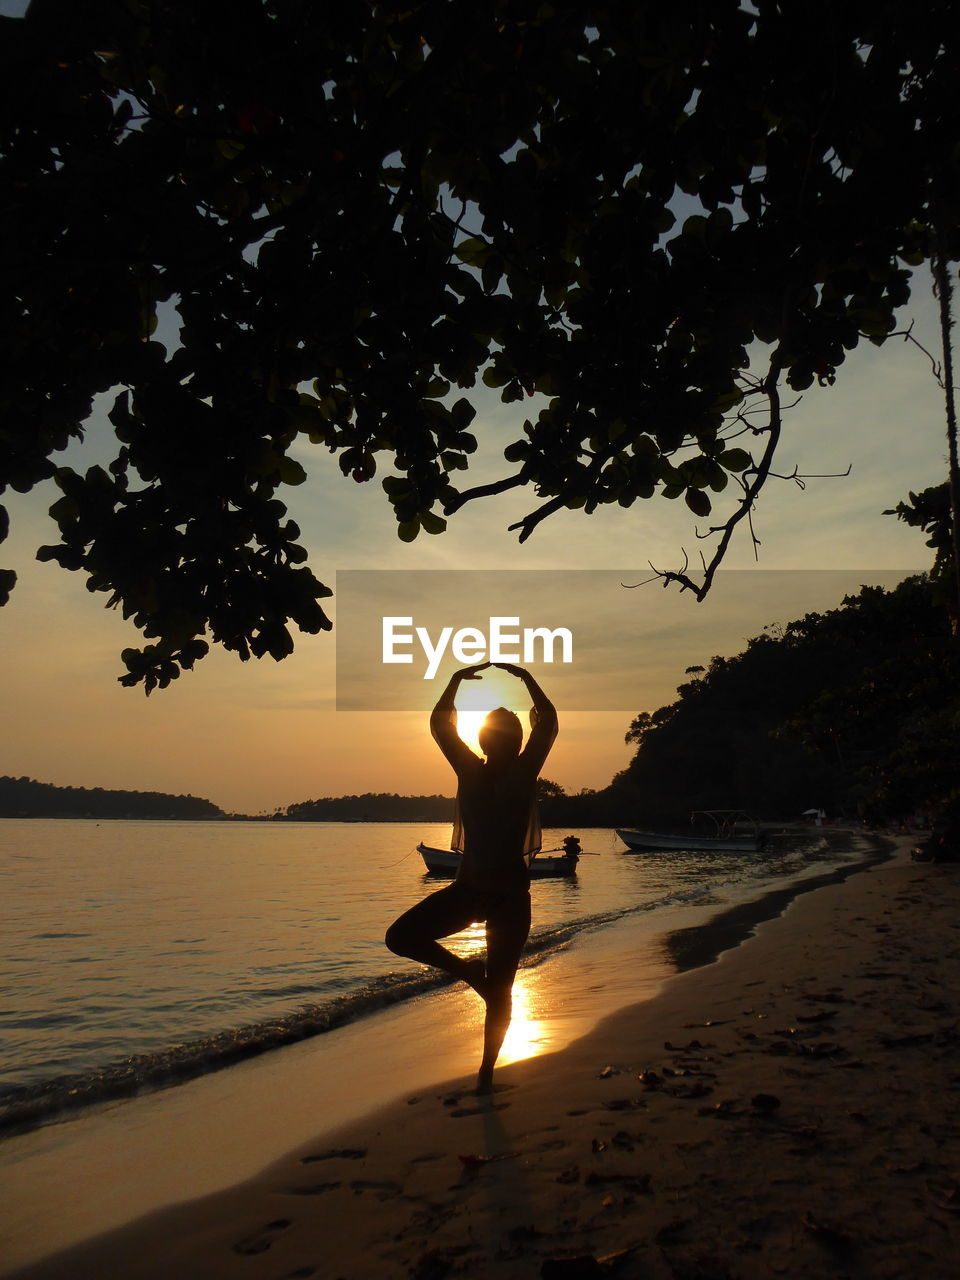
[[291, 471], [473, 251], [698, 502], [735, 459], [462, 413], [432, 523], [727, 399]]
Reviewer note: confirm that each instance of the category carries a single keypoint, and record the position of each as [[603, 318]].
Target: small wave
[[36, 936], [42, 1021], [24, 1106]]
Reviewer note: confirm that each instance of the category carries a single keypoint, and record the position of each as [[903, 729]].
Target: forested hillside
[[855, 710], [26, 798], [379, 807]]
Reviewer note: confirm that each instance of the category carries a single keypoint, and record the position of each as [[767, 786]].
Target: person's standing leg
[[507, 929], [415, 934]]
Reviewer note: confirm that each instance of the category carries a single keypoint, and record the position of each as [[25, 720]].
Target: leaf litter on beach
[[722, 1110]]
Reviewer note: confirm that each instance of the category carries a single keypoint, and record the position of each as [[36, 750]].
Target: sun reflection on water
[[529, 1033], [471, 942]]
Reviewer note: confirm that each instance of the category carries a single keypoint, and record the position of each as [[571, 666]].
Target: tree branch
[[483, 491], [530, 522], [907, 336], [771, 390]]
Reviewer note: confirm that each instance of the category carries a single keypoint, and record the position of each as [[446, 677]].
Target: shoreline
[[27, 1107], [697, 945], [273, 1089]]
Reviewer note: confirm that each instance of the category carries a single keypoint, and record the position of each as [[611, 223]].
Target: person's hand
[[511, 669], [473, 673]]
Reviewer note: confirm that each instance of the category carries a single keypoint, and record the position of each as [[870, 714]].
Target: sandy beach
[[788, 1110]]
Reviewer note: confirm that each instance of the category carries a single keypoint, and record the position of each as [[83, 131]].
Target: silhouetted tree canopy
[[350, 214], [931, 512], [547, 790]]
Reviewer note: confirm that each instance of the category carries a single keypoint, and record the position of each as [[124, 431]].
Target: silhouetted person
[[496, 828]]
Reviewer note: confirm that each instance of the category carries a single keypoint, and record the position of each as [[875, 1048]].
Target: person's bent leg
[[507, 931], [414, 935]]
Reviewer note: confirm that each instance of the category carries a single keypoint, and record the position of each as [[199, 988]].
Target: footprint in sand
[[260, 1241], [385, 1190], [301, 1273], [531, 1133], [455, 1098], [484, 1109], [337, 1153], [316, 1189]]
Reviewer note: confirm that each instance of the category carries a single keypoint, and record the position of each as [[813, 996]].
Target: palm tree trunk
[[944, 288]]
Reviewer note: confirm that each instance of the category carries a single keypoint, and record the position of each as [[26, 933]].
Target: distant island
[[26, 798], [590, 808], [371, 807]]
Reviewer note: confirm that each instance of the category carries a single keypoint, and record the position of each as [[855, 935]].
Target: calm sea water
[[144, 947]]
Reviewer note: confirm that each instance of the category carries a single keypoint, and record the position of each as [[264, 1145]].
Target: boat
[[446, 862], [728, 835]]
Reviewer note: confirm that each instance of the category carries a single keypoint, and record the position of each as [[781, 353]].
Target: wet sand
[[790, 1109]]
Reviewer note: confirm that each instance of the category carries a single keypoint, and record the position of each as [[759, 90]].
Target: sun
[[469, 724], [477, 698]]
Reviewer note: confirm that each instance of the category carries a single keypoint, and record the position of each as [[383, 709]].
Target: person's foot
[[475, 975], [485, 1082]]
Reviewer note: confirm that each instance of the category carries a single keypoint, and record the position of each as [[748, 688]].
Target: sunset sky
[[259, 735]]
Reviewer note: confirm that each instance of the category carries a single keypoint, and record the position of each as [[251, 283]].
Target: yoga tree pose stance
[[497, 830]]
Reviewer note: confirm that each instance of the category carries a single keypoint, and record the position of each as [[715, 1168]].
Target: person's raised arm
[[443, 718], [544, 723]]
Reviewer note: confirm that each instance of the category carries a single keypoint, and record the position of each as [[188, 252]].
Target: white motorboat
[[734, 831]]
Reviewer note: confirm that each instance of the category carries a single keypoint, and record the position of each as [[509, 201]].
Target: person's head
[[501, 735]]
